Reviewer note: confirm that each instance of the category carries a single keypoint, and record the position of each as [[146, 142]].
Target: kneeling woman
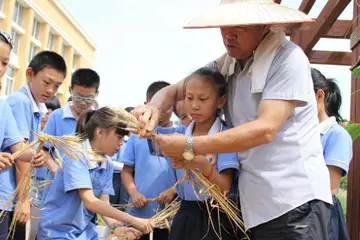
[[81, 189]]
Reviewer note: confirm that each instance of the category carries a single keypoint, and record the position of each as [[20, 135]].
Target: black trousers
[[307, 222], [192, 222], [159, 234], [20, 230]]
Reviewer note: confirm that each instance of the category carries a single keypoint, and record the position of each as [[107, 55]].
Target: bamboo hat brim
[[246, 13]]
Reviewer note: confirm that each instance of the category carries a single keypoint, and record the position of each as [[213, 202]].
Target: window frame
[[18, 16], [36, 29], [8, 78]]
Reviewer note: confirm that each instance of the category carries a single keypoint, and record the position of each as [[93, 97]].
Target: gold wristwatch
[[188, 154]]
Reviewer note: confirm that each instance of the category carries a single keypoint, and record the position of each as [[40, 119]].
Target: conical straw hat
[[248, 12]]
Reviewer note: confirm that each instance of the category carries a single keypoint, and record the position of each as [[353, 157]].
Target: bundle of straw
[[70, 145], [163, 218]]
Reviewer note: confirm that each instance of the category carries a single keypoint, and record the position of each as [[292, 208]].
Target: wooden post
[[353, 190]]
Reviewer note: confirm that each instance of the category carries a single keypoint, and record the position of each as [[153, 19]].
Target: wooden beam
[[353, 189], [331, 58], [326, 19], [278, 1], [339, 30], [306, 5]]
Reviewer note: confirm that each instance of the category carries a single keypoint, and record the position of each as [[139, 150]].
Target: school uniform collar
[[67, 113], [215, 128], [93, 164], [327, 124], [37, 108]]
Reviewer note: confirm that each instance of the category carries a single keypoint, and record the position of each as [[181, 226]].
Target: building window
[[36, 29], [18, 14], [9, 81], [33, 51], [16, 39], [63, 51], [51, 41], [74, 62]]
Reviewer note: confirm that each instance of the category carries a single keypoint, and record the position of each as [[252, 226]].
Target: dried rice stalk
[[218, 199], [162, 218], [131, 205], [70, 145]]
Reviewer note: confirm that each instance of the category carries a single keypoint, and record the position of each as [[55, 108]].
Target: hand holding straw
[[70, 145]]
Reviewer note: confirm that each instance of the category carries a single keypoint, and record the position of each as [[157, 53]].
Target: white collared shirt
[[37, 108], [67, 113], [324, 126]]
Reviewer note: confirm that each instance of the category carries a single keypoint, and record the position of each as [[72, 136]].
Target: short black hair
[[48, 59], [53, 103], [85, 77], [129, 109], [154, 88]]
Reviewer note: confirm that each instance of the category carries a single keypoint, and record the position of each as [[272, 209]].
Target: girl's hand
[[144, 225], [138, 199], [6, 161], [126, 233], [166, 196], [39, 159]]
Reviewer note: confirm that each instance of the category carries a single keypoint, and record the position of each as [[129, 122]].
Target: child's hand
[[138, 199], [23, 212], [6, 161], [38, 159], [144, 225], [166, 196], [127, 233]]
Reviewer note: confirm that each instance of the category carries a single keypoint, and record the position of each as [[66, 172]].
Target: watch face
[[188, 156]]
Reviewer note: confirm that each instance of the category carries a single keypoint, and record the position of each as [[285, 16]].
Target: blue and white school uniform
[[151, 177], [337, 150], [64, 213], [192, 220], [9, 136], [27, 115], [60, 122]]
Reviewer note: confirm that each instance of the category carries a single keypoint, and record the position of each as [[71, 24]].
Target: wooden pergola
[[327, 25]]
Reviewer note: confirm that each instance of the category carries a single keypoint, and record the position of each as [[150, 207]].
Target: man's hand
[[39, 159], [24, 212], [6, 161], [166, 196], [149, 117], [172, 146], [138, 199]]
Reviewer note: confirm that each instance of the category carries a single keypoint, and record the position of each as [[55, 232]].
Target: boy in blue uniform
[[146, 176], [45, 74], [84, 88]]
